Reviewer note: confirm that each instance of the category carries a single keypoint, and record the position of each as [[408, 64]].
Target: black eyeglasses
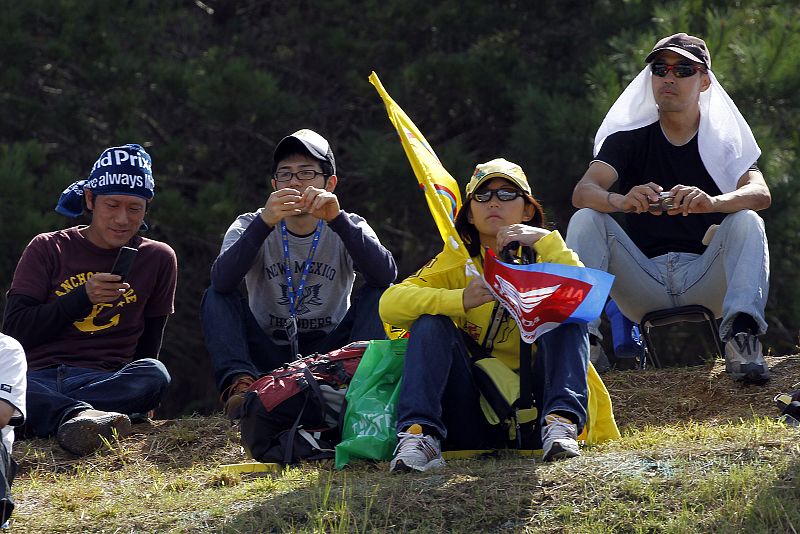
[[681, 70], [303, 176], [503, 195]]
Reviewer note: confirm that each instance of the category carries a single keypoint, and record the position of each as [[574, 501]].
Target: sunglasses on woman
[[681, 70], [503, 195]]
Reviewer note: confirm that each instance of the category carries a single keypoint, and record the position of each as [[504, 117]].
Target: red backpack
[[294, 413]]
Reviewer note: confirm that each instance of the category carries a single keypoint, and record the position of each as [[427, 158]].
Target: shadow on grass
[[465, 496]]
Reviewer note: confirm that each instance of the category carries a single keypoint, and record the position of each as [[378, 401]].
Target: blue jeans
[[438, 389], [237, 344], [729, 278], [56, 392]]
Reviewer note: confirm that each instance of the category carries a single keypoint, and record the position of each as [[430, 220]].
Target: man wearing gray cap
[[684, 160], [298, 256]]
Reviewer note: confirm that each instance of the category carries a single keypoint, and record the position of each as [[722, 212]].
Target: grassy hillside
[[699, 453]]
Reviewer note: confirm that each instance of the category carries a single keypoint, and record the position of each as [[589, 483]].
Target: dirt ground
[[704, 393]]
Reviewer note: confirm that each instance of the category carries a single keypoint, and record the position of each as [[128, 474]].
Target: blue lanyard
[[296, 295]]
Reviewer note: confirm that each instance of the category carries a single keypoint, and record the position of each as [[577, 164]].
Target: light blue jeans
[[729, 278]]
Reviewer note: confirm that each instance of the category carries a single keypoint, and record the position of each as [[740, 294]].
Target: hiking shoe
[[598, 357], [234, 395], [627, 364], [416, 452], [559, 438], [81, 434], [743, 359]]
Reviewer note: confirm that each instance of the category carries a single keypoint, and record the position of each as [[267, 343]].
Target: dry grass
[[702, 394], [699, 453]]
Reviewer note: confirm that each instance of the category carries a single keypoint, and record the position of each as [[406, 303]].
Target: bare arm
[[592, 191], [751, 193], [6, 412]]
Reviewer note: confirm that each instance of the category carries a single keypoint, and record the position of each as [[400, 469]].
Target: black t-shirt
[[645, 155]]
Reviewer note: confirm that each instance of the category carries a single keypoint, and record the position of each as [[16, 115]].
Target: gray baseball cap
[[306, 141]]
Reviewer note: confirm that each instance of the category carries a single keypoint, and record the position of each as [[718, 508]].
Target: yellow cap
[[498, 168]]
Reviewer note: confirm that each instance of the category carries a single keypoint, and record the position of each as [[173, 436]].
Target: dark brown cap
[[688, 46]]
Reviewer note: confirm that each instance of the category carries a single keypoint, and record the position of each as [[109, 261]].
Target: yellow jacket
[[438, 288]]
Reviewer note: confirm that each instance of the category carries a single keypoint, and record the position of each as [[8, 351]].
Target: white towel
[[726, 143]]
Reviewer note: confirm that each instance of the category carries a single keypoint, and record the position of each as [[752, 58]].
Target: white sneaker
[[744, 359], [416, 452], [559, 438]]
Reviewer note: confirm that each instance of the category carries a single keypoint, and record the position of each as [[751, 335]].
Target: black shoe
[[626, 364]]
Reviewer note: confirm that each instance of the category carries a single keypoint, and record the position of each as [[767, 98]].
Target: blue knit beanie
[[120, 170]]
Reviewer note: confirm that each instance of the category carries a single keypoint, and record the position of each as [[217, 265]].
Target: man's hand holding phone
[[107, 287]]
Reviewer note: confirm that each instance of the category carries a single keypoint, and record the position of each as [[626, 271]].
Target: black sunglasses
[[503, 195], [681, 70]]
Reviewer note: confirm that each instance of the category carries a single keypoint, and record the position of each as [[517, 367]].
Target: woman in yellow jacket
[[439, 403]]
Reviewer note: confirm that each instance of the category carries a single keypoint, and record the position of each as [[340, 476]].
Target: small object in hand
[[123, 262], [665, 202]]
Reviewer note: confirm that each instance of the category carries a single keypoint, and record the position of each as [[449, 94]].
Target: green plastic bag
[[368, 430]]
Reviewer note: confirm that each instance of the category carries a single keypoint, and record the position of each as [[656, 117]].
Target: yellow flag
[[441, 190]]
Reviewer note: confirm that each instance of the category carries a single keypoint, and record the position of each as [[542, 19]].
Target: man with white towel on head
[[684, 161]]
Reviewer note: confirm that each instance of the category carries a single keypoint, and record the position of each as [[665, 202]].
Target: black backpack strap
[[475, 350], [498, 314], [525, 375], [317, 392], [289, 452]]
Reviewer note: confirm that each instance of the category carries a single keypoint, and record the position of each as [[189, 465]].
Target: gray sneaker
[[416, 452], [559, 439], [81, 434], [744, 359]]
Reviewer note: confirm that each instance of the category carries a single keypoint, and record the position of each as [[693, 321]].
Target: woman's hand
[[476, 294], [524, 234]]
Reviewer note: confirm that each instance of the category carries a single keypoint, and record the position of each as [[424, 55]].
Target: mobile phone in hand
[[122, 265]]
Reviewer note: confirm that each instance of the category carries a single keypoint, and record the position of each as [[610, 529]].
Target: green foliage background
[[209, 87]]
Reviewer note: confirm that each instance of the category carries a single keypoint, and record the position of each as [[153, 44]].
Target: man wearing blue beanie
[[92, 338]]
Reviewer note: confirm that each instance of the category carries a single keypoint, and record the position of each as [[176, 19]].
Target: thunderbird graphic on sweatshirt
[[310, 297]]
